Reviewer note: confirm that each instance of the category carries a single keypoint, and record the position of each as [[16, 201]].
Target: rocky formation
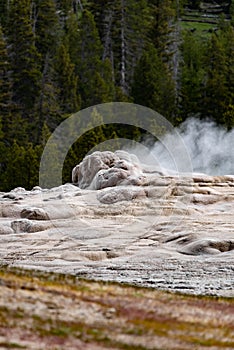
[[106, 169], [126, 222]]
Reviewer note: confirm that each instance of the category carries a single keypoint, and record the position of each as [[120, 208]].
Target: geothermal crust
[[126, 222]]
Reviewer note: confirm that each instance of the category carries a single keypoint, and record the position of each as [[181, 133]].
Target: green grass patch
[[212, 342], [203, 30], [7, 345]]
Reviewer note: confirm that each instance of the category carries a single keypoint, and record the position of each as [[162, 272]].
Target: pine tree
[[45, 134], [165, 35], [90, 51], [24, 57], [46, 27], [67, 82], [13, 126], [163, 25], [5, 81], [192, 75], [227, 36], [231, 11], [4, 12], [31, 164], [95, 135], [108, 93], [122, 27], [92, 136], [67, 7], [216, 88], [132, 39], [13, 175], [48, 104], [194, 4], [95, 79], [21, 166], [72, 38], [153, 86]]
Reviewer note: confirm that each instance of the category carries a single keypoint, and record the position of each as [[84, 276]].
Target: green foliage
[[228, 115], [194, 4], [122, 27], [153, 85], [162, 27], [207, 75], [192, 75], [46, 23], [95, 76], [3, 12], [57, 57], [21, 168], [232, 11], [219, 89], [89, 139], [48, 105], [67, 81], [5, 80], [24, 56]]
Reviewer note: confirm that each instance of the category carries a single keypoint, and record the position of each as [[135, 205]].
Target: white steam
[[211, 148]]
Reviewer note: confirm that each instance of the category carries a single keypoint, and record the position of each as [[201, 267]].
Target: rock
[[206, 199], [37, 188], [8, 210], [13, 196], [107, 169], [34, 214], [25, 225], [20, 226], [19, 190], [119, 194], [207, 246], [5, 230]]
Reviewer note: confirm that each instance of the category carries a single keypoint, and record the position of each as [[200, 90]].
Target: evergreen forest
[[60, 56]]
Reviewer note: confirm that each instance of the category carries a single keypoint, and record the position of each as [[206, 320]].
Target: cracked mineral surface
[[122, 221]]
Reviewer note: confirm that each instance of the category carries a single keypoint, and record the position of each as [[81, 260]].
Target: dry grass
[[52, 311]]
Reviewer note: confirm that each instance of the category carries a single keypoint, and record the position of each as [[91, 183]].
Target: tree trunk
[[107, 41], [123, 50]]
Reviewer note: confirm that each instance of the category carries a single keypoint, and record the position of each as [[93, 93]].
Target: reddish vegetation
[[49, 311]]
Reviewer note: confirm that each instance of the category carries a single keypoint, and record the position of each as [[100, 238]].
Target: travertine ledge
[[172, 232]]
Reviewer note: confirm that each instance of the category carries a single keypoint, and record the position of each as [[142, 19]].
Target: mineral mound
[[124, 221]]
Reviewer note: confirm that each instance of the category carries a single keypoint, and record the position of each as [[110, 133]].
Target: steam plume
[[210, 147]]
